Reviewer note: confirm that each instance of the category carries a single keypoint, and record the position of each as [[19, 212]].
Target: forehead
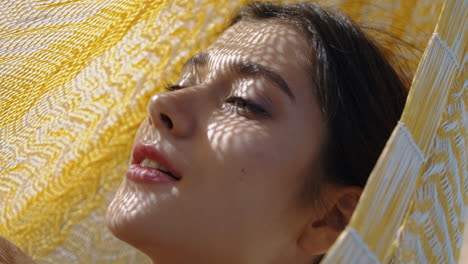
[[269, 43]]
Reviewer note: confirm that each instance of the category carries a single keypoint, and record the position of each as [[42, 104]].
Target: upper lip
[[142, 151]]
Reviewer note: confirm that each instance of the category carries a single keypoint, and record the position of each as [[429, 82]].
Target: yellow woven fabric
[[75, 77], [418, 191]]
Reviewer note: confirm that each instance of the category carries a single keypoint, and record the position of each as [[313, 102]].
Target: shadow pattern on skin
[[242, 166]]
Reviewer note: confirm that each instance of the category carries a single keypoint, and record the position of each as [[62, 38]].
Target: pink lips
[[141, 174]]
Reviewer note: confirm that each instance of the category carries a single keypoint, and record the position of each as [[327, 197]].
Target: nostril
[[167, 121]]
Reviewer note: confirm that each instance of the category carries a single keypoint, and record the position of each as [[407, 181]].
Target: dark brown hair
[[360, 93]]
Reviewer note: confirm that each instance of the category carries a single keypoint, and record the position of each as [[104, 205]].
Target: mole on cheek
[[241, 177]]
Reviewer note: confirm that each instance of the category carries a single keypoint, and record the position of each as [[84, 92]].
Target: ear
[[324, 227]]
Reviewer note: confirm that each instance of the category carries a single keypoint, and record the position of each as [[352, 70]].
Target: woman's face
[[244, 132]]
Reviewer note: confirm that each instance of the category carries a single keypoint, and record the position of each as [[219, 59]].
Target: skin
[[244, 170], [11, 254]]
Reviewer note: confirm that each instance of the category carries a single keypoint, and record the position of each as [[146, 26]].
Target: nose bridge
[[174, 112]]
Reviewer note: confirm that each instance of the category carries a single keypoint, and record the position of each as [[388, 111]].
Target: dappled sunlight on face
[[133, 200], [242, 128], [227, 135]]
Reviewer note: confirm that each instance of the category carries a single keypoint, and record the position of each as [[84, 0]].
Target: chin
[[117, 215], [123, 215], [132, 214]]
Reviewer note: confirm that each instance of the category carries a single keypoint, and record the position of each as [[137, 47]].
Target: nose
[[173, 113]]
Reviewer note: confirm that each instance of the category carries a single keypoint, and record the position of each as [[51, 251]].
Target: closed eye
[[169, 87], [242, 106], [246, 107]]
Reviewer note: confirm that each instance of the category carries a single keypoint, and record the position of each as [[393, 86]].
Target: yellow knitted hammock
[[75, 78]]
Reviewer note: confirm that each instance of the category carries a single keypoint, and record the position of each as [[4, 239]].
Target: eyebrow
[[246, 68]]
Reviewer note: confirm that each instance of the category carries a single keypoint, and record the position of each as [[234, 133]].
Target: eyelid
[[249, 108], [169, 87]]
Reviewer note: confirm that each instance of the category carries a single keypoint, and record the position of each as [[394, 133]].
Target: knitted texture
[[75, 78]]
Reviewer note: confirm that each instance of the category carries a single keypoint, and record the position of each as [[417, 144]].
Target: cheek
[[251, 156], [236, 138]]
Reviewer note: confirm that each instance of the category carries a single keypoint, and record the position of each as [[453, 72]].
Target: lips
[[150, 166]]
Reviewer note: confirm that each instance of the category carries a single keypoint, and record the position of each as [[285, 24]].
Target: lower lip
[[141, 174]]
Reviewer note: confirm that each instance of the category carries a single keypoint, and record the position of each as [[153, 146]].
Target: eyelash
[[169, 87], [243, 106], [246, 107]]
